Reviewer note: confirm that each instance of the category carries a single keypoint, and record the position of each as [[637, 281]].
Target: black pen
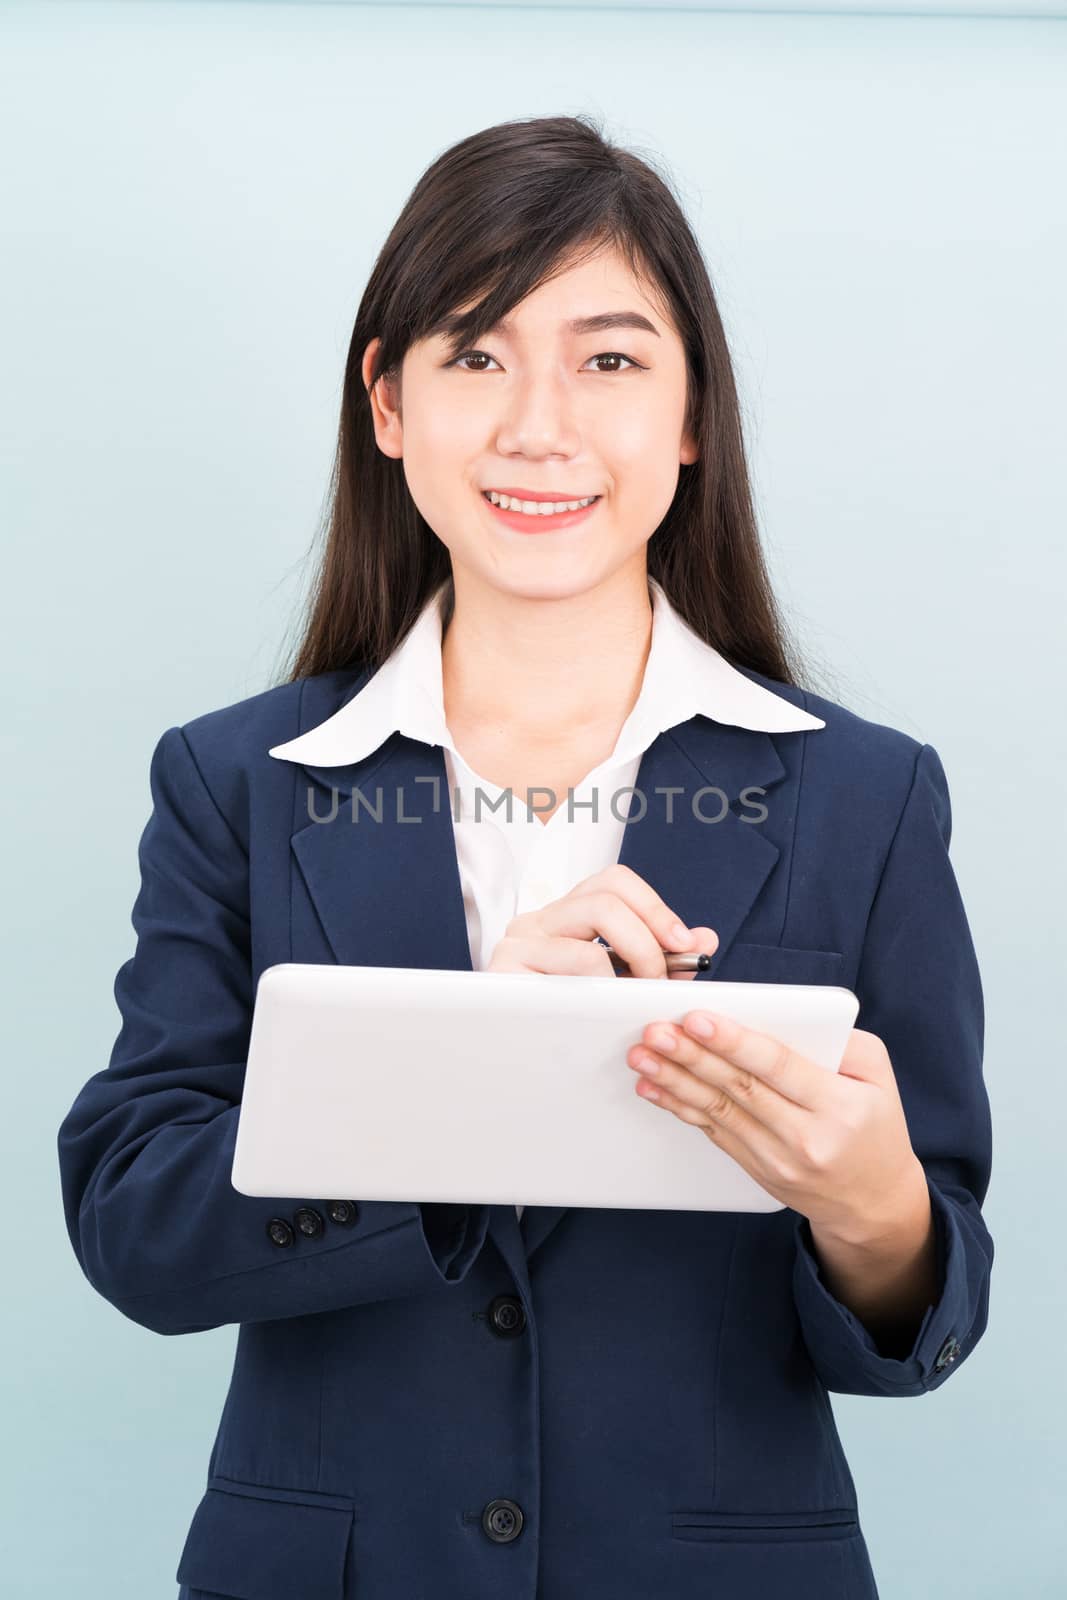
[[677, 960]]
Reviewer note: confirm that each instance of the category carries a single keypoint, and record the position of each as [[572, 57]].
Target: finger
[[726, 1124], [639, 895], [763, 1056], [700, 1078], [866, 1058], [705, 940], [603, 912], [547, 954]]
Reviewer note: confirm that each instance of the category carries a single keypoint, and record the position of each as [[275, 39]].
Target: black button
[[947, 1354], [309, 1221], [502, 1521], [344, 1212], [280, 1232], [507, 1315]]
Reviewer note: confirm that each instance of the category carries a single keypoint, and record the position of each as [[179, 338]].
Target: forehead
[[595, 295]]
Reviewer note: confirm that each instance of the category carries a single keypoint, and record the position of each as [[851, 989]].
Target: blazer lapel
[[388, 892]]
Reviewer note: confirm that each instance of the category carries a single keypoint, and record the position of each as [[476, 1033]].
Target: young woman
[[543, 582]]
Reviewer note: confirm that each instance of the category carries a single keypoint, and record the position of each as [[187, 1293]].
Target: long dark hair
[[493, 218]]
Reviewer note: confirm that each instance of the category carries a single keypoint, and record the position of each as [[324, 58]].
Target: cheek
[[440, 440], [641, 449], [437, 456], [644, 487], [424, 486]]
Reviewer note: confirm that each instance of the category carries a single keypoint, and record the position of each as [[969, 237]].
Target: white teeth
[[537, 508]]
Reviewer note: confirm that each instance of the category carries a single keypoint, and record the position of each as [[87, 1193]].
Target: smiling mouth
[[538, 508]]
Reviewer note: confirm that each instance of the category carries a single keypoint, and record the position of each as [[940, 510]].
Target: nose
[[538, 418]]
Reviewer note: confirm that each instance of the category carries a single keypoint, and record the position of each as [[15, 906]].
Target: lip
[[534, 524], [533, 494]]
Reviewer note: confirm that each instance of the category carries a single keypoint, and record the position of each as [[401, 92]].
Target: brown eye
[[614, 355], [470, 355]]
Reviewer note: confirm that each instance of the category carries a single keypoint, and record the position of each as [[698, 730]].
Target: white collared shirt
[[508, 866]]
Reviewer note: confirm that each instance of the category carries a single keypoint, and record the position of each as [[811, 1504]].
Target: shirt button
[[280, 1232], [343, 1212], [502, 1521]]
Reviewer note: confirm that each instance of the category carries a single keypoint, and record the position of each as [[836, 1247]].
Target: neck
[[545, 666]]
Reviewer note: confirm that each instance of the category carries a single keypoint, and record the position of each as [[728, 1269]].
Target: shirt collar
[[684, 677]]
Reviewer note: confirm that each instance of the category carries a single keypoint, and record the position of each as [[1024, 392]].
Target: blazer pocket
[[255, 1542], [764, 1527], [776, 963]]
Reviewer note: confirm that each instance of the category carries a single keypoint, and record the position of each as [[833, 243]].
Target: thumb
[[704, 941], [866, 1057]]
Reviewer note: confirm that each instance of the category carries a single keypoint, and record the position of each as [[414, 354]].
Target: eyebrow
[[600, 323]]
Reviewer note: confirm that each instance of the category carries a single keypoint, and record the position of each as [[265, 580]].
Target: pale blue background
[[192, 199]]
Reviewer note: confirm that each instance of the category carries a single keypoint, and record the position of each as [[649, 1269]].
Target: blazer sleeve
[[146, 1149], [919, 990]]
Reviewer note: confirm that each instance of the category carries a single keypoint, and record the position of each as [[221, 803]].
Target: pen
[[677, 961]]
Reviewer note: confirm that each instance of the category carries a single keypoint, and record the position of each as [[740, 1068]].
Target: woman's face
[[554, 413]]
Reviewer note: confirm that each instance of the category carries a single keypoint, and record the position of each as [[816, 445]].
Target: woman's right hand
[[618, 905]]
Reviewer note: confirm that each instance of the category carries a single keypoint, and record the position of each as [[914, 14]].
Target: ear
[[385, 405], [689, 451]]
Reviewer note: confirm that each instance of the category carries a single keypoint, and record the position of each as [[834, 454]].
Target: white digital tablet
[[407, 1083]]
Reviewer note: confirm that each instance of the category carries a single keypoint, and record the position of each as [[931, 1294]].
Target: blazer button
[[344, 1212], [507, 1316], [947, 1354], [279, 1232], [502, 1521], [309, 1221]]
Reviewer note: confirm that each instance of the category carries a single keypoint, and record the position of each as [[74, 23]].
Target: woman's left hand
[[833, 1145]]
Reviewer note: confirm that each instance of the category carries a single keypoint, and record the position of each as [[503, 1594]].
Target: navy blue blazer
[[443, 1402]]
